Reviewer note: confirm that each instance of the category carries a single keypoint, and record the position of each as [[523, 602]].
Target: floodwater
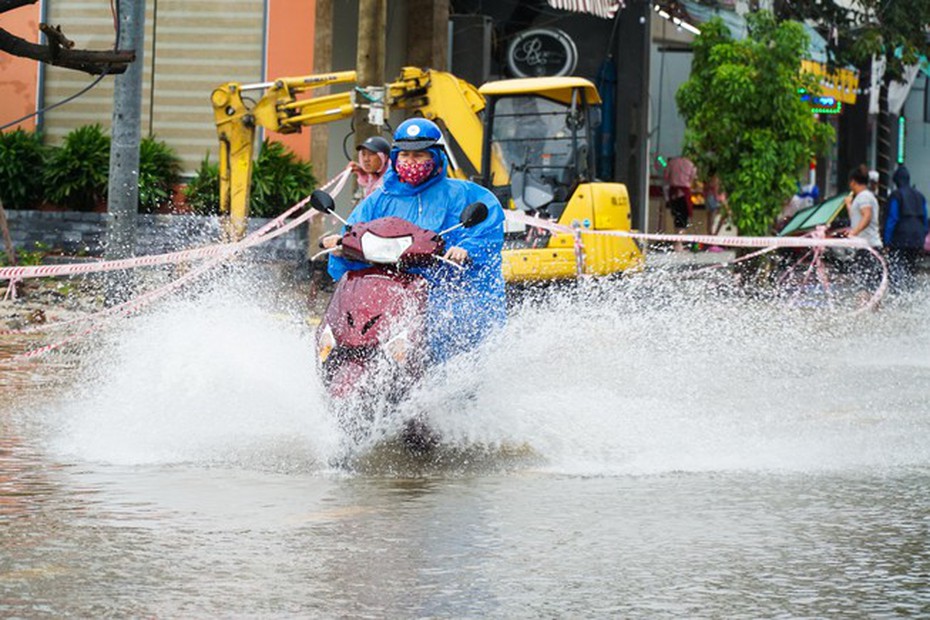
[[654, 448]]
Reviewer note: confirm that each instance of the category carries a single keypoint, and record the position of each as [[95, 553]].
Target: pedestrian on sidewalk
[[862, 207], [680, 174], [718, 208], [905, 229]]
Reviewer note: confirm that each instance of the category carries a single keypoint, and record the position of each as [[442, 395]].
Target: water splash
[[650, 374], [657, 375], [211, 378]]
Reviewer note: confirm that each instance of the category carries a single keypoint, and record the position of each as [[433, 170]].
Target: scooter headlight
[[386, 250], [397, 348], [326, 343]]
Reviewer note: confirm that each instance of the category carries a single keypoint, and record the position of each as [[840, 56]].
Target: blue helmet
[[417, 134]]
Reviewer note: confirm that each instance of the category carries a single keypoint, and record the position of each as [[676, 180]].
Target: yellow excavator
[[529, 140]]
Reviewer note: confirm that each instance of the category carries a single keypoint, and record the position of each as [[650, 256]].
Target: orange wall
[[290, 53], [19, 76]]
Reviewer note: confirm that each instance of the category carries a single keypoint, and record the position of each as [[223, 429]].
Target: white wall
[[917, 140], [668, 71]]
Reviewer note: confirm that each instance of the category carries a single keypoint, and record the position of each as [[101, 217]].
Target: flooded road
[[652, 449]]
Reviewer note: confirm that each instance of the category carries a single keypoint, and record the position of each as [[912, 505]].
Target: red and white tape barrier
[[217, 250], [816, 241], [269, 231], [741, 242]]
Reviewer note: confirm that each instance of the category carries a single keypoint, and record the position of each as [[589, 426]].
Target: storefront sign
[[542, 52]]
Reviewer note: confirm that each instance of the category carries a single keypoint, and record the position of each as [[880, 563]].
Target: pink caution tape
[[743, 242], [270, 230], [221, 250], [816, 241]]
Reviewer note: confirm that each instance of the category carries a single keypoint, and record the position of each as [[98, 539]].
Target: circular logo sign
[[540, 52]]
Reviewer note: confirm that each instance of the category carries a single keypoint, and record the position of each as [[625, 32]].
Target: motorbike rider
[[464, 305]]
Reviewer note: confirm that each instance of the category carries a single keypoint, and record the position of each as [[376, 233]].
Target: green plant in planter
[[203, 191], [76, 173], [159, 171], [279, 179], [22, 159]]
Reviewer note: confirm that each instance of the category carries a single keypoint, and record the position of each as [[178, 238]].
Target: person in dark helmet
[[371, 165], [905, 228], [464, 306]]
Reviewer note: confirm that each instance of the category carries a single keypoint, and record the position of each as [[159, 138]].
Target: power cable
[[114, 11]]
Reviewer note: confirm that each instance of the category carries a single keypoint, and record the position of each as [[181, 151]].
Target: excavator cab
[[538, 157], [540, 131]]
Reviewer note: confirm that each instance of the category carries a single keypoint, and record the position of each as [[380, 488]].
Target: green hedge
[[75, 175], [22, 160]]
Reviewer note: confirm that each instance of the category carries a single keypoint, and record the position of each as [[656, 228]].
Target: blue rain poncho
[[463, 305]]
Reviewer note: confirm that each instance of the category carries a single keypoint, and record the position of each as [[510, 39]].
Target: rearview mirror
[[321, 201], [474, 214]]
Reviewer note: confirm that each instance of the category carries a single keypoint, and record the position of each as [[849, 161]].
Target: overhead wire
[[114, 11]]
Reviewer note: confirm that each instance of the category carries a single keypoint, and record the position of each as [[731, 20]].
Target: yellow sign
[[841, 84]]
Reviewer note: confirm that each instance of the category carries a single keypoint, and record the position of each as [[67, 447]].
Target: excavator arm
[[452, 103]]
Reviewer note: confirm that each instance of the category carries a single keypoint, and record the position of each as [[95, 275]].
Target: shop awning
[[602, 8], [898, 91]]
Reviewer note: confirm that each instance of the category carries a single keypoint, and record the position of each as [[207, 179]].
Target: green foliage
[[279, 179], [159, 171], [25, 258], [203, 191], [76, 173], [857, 30], [744, 117], [22, 159]]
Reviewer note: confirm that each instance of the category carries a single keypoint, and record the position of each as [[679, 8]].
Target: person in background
[[905, 229], [862, 207], [373, 162], [715, 201], [805, 197], [680, 174], [873, 182]]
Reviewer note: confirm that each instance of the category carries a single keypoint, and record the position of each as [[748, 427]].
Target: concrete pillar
[[371, 57], [126, 130], [428, 34], [319, 134], [634, 38]]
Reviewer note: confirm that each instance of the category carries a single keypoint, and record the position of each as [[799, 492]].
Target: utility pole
[[319, 134], [370, 57], [632, 138], [123, 194]]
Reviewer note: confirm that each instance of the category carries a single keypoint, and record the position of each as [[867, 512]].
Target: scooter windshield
[[385, 250]]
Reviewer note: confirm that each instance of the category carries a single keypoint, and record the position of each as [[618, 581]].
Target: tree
[[59, 49], [858, 30], [744, 117]]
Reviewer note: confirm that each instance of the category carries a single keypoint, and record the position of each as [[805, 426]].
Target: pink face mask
[[414, 173]]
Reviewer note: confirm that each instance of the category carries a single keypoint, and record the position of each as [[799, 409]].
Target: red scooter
[[371, 343]]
